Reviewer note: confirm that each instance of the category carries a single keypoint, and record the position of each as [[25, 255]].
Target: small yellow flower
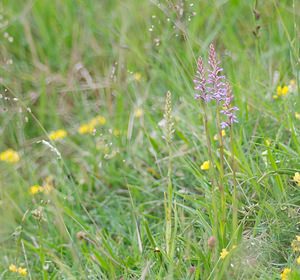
[[35, 189], [86, 128], [278, 90], [297, 116], [22, 271], [223, 254], [275, 96], [13, 268], [285, 90], [205, 165], [223, 132], [282, 91], [10, 156], [285, 274], [91, 125], [296, 244], [99, 120], [296, 179], [137, 76], [58, 134], [138, 113], [298, 260]]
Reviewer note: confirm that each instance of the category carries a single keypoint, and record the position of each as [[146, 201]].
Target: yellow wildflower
[[22, 271], [137, 76], [99, 120], [86, 128], [223, 132], [57, 134], [138, 113], [35, 189], [282, 91], [13, 268], [91, 125], [297, 116], [285, 274], [10, 156], [278, 90], [223, 254], [296, 178], [205, 165], [296, 244], [275, 96], [298, 260]]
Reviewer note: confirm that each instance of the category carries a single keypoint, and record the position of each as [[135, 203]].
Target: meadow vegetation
[[112, 164]]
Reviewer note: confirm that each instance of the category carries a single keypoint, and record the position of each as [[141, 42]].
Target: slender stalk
[[211, 170], [221, 177], [220, 138], [169, 199], [234, 195]]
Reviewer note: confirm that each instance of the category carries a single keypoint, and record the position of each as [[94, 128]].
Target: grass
[[124, 203]]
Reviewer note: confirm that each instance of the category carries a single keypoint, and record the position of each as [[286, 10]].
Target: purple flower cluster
[[228, 109], [216, 82], [200, 82], [210, 84]]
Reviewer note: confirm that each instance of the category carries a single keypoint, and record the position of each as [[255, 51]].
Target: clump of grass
[[88, 187]]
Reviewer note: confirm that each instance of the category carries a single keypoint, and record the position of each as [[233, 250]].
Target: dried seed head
[[169, 127], [38, 214]]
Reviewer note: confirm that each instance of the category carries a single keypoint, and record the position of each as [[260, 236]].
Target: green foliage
[[101, 212]]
